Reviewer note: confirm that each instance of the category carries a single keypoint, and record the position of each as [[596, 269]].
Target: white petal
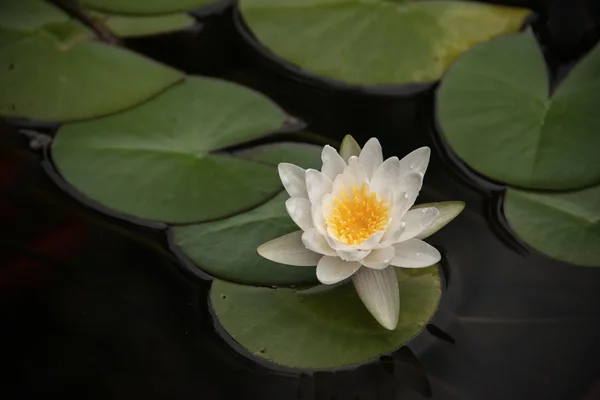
[[416, 161], [417, 221], [316, 242], [336, 244], [333, 164], [331, 270], [386, 176], [409, 188], [448, 211], [392, 234], [293, 179], [378, 290], [352, 255], [415, 253], [372, 241], [289, 249], [371, 157], [379, 258], [317, 185], [300, 212], [318, 218], [349, 148]]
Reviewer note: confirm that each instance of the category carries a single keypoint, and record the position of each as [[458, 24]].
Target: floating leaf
[[132, 26], [565, 226], [29, 15], [58, 74], [495, 113], [227, 248], [146, 7], [324, 329], [159, 160], [375, 42]]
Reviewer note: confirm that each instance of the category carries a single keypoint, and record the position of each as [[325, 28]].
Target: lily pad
[[146, 7], [29, 15], [59, 74], [164, 159], [325, 329], [133, 26], [375, 42], [227, 248], [497, 117], [565, 226]]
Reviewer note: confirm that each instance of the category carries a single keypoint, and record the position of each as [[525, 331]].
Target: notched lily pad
[[565, 226], [375, 42], [59, 73], [164, 160], [325, 329], [495, 112], [147, 6], [227, 248]]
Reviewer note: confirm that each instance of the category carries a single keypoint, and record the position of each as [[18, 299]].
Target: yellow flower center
[[357, 214]]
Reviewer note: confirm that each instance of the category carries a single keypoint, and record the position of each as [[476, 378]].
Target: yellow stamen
[[357, 214]]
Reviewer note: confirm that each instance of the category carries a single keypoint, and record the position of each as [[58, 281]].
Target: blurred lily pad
[[146, 7], [497, 117], [325, 329], [165, 159], [565, 226], [59, 73], [29, 15], [227, 248], [143, 25], [375, 42]]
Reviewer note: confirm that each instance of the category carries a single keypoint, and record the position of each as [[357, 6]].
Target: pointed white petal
[[372, 241], [318, 218], [418, 221], [378, 290], [409, 187], [333, 164], [349, 148], [300, 212], [386, 176], [401, 202], [448, 211], [352, 255], [316, 242], [331, 270], [336, 244], [317, 185], [415, 253], [293, 179], [416, 161], [289, 249], [371, 157], [392, 234], [379, 258]]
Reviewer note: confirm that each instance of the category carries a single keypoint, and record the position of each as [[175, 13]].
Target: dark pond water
[[92, 307]]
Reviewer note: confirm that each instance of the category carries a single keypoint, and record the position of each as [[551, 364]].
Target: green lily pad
[[497, 117], [146, 7], [565, 226], [29, 15], [133, 26], [164, 160], [59, 74], [325, 329], [227, 248], [375, 42]]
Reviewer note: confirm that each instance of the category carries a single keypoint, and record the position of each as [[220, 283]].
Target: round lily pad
[[495, 112], [29, 15], [324, 329], [143, 25], [375, 42], [146, 7], [164, 159], [59, 73], [227, 248], [565, 226]]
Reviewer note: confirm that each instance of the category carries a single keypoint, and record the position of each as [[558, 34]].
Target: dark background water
[[93, 307]]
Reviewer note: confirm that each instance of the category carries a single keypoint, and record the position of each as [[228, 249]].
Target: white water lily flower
[[356, 221]]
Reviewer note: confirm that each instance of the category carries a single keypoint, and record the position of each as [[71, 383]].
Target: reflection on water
[[96, 308]]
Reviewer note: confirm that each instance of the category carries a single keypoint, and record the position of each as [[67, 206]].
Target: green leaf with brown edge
[[325, 329]]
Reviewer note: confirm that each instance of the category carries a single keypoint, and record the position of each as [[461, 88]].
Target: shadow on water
[[99, 308]]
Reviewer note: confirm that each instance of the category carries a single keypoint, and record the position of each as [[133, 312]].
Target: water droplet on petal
[[418, 254], [423, 211], [411, 166], [406, 195]]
